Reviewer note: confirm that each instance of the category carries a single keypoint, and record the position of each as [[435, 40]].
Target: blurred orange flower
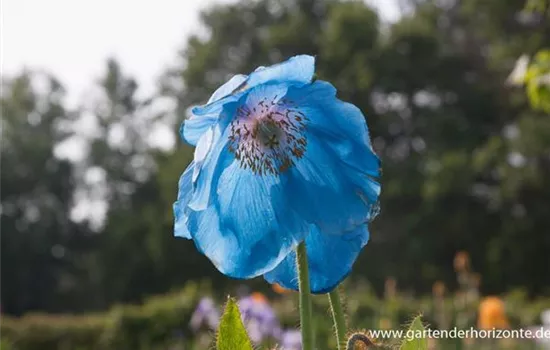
[[461, 262], [278, 289], [259, 297], [491, 314], [384, 323]]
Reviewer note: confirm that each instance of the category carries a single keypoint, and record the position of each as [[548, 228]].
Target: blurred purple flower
[[206, 313], [259, 318], [291, 340]]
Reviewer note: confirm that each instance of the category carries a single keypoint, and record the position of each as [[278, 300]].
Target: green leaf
[[415, 336], [231, 333], [536, 5], [536, 80]]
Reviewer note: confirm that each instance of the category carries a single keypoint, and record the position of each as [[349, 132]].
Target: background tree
[[441, 116], [466, 157], [40, 245]]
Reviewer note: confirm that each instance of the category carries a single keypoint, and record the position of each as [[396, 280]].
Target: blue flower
[[278, 160]]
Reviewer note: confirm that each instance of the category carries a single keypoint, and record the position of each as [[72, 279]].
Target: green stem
[[305, 297], [338, 317]]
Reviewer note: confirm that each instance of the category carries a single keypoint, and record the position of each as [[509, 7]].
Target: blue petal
[[330, 259], [214, 141], [325, 194], [338, 124], [185, 191], [334, 184], [203, 117], [249, 229], [228, 87], [297, 69], [195, 126], [207, 161], [206, 158]]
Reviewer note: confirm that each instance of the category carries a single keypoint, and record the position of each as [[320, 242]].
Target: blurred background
[[94, 92]]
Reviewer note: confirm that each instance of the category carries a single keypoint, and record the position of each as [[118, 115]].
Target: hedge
[[163, 322], [148, 326]]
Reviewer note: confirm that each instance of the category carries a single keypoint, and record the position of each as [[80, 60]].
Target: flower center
[[268, 132], [269, 136]]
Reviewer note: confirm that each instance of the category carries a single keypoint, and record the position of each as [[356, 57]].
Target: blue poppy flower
[[279, 159]]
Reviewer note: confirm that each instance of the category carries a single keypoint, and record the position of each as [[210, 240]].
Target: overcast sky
[[73, 38]]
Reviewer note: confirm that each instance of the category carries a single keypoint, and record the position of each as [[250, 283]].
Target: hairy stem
[[305, 298], [358, 337], [338, 317]]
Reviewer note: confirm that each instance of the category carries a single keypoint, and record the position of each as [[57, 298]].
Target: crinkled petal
[[215, 140], [338, 124], [329, 195], [298, 69], [195, 126], [202, 150], [335, 183], [185, 191], [203, 117], [249, 228], [207, 155], [228, 88], [330, 260]]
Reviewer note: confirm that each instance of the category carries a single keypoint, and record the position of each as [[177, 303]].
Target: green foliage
[[537, 75], [156, 324], [537, 79], [541, 6], [417, 340], [162, 322], [5, 345], [231, 332]]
